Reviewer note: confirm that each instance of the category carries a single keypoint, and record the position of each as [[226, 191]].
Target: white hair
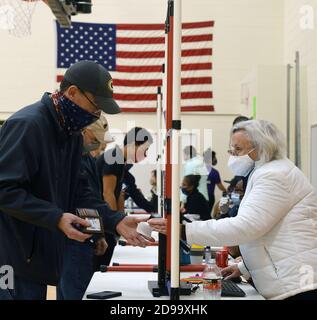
[[267, 140]]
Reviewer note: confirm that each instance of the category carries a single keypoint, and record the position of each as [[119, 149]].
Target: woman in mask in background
[[275, 227], [196, 207]]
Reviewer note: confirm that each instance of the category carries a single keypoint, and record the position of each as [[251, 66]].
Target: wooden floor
[[51, 293]]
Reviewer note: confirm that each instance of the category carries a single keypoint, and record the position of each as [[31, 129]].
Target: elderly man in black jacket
[[40, 181]]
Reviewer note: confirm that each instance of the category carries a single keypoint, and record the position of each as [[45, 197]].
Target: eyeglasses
[[237, 151], [98, 112], [234, 152]]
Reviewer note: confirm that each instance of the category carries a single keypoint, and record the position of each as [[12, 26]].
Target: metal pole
[[176, 126], [159, 152], [298, 160], [288, 109]]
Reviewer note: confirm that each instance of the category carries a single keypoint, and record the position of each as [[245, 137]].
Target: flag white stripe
[[152, 104], [140, 33], [140, 47], [153, 89], [160, 61], [157, 75], [160, 47], [197, 31], [161, 33]]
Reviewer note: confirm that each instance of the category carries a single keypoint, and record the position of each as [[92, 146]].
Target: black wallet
[[93, 217]]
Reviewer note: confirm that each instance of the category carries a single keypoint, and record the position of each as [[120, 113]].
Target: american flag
[[134, 55]]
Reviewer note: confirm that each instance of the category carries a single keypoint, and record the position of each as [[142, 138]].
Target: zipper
[[29, 259], [275, 268]]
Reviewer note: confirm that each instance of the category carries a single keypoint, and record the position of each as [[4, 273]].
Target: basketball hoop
[[16, 16]]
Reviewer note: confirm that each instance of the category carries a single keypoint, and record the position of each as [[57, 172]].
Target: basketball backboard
[[64, 9]]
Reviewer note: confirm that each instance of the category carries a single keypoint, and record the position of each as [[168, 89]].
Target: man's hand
[[127, 229], [66, 223], [231, 272], [158, 224], [101, 247]]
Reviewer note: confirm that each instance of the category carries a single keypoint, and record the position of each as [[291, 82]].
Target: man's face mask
[[75, 118]]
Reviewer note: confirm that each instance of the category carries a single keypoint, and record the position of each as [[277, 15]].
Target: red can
[[222, 258]]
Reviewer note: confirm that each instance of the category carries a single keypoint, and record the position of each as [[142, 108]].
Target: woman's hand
[[231, 272]]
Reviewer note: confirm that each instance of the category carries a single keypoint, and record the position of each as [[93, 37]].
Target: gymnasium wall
[[248, 34]]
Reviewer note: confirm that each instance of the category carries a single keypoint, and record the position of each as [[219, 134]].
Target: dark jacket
[[88, 164], [197, 204], [133, 192], [40, 179]]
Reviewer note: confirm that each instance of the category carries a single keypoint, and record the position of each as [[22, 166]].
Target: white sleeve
[[267, 202], [243, 269]]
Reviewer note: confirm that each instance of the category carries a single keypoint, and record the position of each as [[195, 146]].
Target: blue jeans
[[24, 290], [77, 270]]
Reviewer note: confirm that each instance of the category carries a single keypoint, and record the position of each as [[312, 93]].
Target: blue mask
[[235, 198], [75, 118]]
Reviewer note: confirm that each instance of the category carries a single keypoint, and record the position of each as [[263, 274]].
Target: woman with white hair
[[275, 227]]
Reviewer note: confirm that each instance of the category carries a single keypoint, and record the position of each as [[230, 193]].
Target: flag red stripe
[[196, 52], [134, 97], [158, 40], [189, 25], [149, 26], [194, 25], [185, 67], [197, 108], [196, 66], [137, 83], [198, 38], [138, 109], [196, 95], [158, 82], [201, 80], [161, 40], [160, 54], [152, 97], [140, 55], [139, 68], [59, 78], [183, 109]]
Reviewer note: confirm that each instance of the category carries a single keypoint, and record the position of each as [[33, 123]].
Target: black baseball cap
[[94, 78]]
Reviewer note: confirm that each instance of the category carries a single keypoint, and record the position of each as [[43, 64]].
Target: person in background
[[275, 227], [132, 191], [111, 167], [194, 165], [236, 179], [154, 197], [80, 258], [213, 178], [196, 206], [41, 184], [103, 136], [236, 194]]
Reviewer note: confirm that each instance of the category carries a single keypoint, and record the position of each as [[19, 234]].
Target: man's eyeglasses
[[98, 112]]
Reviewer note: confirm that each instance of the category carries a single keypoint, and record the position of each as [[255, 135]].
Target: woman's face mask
[[241, 165], [235, 198], [92, 146]]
